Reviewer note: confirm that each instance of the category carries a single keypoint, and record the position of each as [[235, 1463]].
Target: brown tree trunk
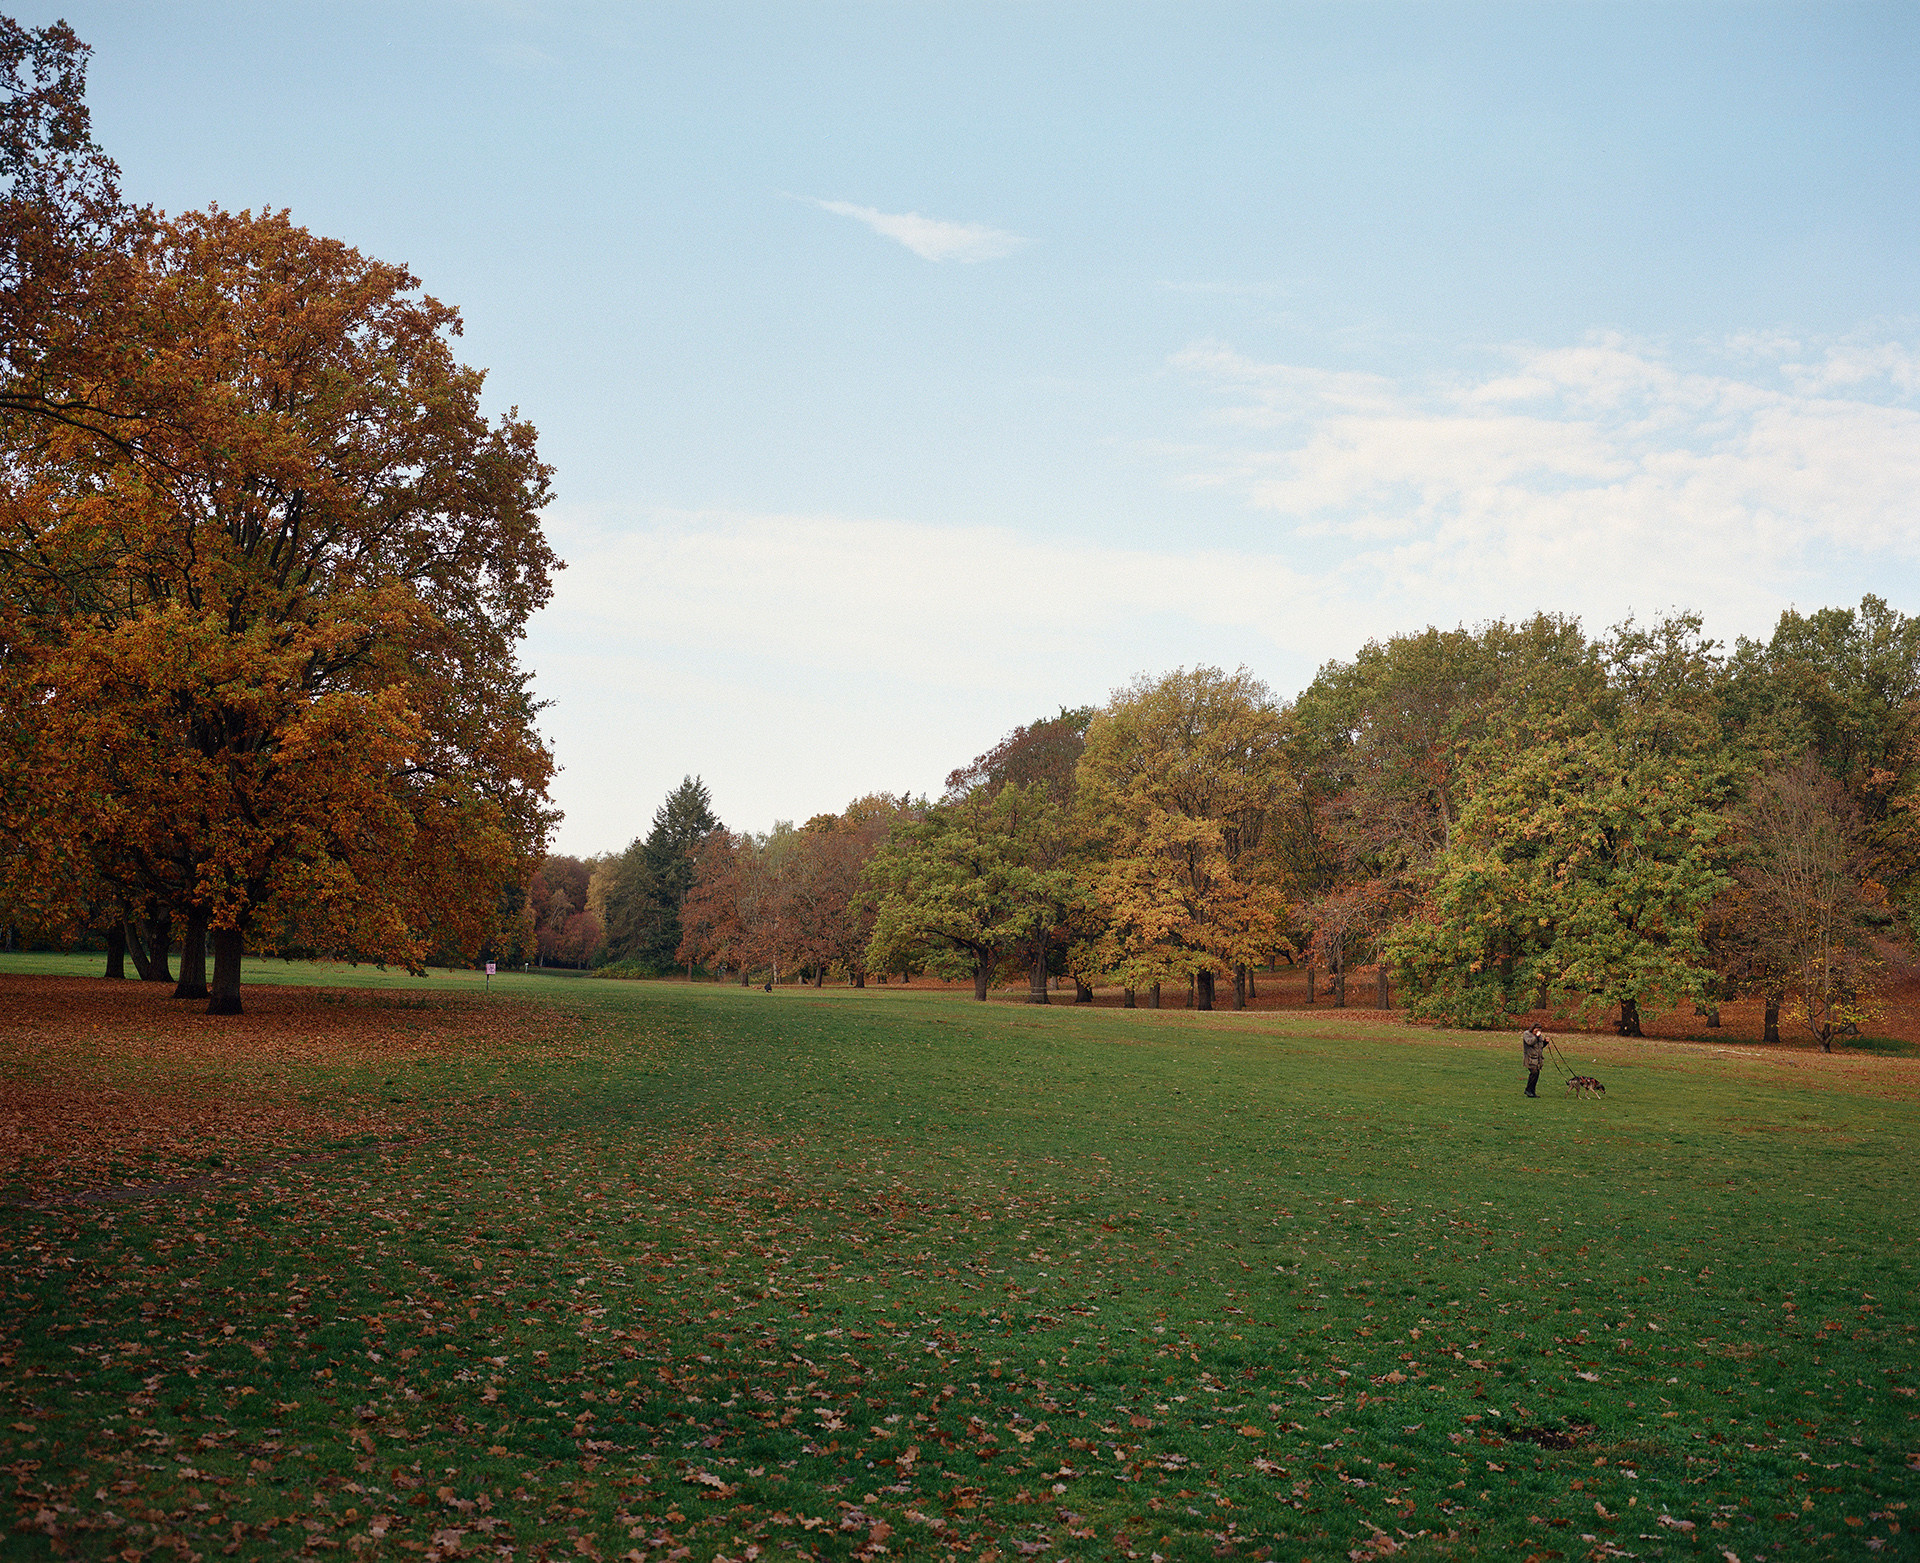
[[1339, 979], [225, 998], [1386, 996], [1203, 987], [1153, 996], [1771, 1032], [117, 951], [1630, 1018], [1252, 991], [1037, 977], [1082, 994], [745, 980], [860, 978], [159, 933], [820, 975], [136, 947], [1239, 987], [980, 982], [1129, 999], [1309, 985], [193, 958]]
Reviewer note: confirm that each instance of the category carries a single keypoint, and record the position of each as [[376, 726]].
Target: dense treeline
[[1511, 818], [264, 566]]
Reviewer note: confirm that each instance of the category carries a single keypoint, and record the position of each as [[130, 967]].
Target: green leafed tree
[[971, 887], [651, 879], [1588, 849]]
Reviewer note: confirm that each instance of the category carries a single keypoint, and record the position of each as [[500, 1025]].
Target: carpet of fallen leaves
[[119, 1083], [659, 1274]]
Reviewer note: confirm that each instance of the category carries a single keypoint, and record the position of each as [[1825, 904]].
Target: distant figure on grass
[[1533, 1048]]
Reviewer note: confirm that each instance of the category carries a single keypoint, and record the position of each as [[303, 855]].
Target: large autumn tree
[[1182, 783], [264, 600]]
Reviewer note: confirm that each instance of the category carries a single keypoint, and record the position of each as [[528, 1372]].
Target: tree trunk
[[1309, 985], [136, 947], [1153, 996], [159, 940], [225, 998], [1339, 980], [1772, 1032], [1203, 987], [820, 975], [1252, 991], [1239, 987], [193, 958], [1129, 999], [860, 978], [1037, 977], [1082, 994], [745, 980], [117, 951], [1386, 997], [1630, 1018], [980, 974]]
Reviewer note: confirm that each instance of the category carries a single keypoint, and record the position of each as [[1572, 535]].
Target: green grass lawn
[[701, 1271]]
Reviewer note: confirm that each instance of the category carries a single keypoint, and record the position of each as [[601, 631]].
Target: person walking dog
[[1533, 1048]]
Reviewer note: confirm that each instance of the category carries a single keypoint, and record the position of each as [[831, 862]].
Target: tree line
[[264, 568], [1511, 818]]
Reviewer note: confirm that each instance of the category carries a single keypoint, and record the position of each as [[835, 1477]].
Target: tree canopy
[[264, 567]]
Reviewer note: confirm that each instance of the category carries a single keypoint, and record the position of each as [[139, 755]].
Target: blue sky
[[912, 369]]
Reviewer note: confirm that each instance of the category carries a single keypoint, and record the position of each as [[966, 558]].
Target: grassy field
[[596, 1269]]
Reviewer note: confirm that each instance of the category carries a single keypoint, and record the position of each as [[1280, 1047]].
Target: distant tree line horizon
[[1512, 818]]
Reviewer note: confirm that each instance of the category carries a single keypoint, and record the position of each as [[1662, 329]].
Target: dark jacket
[[1533, 1048]]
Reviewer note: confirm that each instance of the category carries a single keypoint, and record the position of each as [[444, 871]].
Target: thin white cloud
[[1586, 477], [931, 238]]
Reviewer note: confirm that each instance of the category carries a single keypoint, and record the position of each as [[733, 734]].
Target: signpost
[[489, 976]]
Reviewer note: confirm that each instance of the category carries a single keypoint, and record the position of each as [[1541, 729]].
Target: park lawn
[[588, 1269]]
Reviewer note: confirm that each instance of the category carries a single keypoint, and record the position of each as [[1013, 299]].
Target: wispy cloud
[[931, 238], [1585, 478]]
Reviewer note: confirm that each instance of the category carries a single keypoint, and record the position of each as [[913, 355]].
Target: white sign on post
[[489, 968]]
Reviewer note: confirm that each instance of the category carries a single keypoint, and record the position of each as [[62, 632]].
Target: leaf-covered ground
[[586, 1269]]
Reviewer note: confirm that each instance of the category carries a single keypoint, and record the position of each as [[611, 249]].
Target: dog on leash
[[1586, 1085]]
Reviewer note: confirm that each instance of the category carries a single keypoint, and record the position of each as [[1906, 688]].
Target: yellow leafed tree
[[1182, 780]]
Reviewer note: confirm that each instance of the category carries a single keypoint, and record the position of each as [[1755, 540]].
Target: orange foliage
[[263, 611]]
